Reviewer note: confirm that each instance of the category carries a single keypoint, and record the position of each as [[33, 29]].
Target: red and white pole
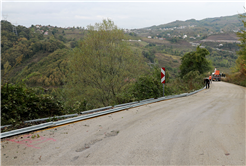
[[163, 78]]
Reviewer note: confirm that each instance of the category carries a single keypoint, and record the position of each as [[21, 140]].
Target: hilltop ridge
[[224, 22]]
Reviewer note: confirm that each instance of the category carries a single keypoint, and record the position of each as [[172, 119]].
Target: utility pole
[[14, 28]]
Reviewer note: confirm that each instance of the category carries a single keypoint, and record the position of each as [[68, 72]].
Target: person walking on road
[[210, 79], [206, 80]]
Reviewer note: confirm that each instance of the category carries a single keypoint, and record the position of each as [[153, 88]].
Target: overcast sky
[[125, 14]]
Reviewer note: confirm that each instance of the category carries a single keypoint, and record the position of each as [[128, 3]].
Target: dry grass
[[168, 60], [156, 41]]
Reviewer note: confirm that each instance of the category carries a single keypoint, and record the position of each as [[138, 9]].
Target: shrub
[[19, 103]]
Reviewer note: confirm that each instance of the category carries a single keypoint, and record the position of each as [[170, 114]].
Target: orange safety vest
[[210, 77]]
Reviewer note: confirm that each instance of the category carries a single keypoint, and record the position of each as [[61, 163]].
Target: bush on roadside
[[194, 80], [19, 103], [150, 86]]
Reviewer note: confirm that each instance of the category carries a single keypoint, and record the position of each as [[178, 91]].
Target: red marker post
[[163, 78]]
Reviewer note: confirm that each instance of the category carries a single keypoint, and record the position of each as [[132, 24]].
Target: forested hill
[[42, 51], [37, 55], [227, 23], [26, 43], [30, 54]]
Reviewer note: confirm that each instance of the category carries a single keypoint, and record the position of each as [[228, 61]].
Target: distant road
[[207, 128], [221, 41]]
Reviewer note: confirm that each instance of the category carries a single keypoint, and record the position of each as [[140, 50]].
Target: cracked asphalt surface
[[207, 128]]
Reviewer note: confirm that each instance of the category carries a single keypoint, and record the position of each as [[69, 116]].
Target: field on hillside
[[226, 36], [170, 62], [155, 41], [72, 33], [180, 44]]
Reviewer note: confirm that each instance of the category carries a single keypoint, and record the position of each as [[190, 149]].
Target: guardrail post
[[163, 90]]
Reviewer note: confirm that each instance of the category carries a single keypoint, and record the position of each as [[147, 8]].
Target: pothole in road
[[112, 133], [92, 142], [87, 146], [75, 158]]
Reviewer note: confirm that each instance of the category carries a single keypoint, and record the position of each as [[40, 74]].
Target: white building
[[195, 44]]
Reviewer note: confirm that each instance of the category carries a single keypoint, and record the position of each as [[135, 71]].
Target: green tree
[[73, 44], [149, 85], [241, 60], [239, 75], [148, 55], [195, 61], [54, 31], [103, 66]]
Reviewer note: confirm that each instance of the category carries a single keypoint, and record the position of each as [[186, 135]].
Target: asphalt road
[[207, 128]]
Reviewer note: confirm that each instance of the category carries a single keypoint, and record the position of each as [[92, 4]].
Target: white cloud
[[124, 14], [83, 17]]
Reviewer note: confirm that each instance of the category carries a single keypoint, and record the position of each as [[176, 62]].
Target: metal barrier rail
[[43, 119], [95, 114], [63, 116], [55, 117], [95, 110], [120, 105]]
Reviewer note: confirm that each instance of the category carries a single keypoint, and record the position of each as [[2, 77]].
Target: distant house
[[160, 38], [220, 45], [46, 33], [185, 36], [149, 37]]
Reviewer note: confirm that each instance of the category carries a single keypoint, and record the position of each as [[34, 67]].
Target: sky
[[127, 14]]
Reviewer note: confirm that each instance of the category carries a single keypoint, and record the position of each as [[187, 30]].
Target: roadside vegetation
[[55, 74], [239, 70]]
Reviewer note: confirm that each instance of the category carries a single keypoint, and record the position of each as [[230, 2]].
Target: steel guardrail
[[55, 117], [95, 114], [120, 105], [95, 110]]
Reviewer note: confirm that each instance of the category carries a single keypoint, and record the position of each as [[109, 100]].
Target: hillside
[[223, 36], [39, 55], [227, 23], [44, 50]]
